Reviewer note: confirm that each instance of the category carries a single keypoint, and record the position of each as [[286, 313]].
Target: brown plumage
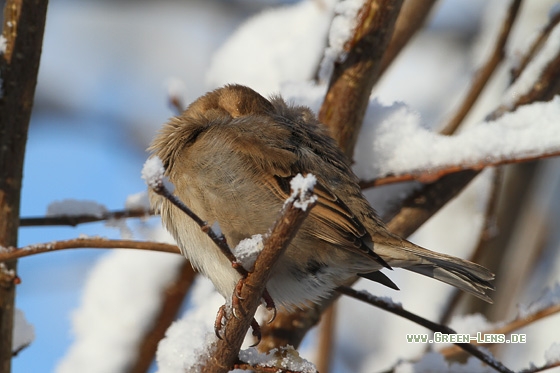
[[231, 156]]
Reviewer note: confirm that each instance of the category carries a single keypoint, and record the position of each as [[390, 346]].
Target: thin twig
[[74, 220], [220, 240], [350, 85], [429, 176], [485, 72], [89, 242], [285, 228], [398, 310]]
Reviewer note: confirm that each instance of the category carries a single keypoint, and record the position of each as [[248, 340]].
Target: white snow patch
[[301, 186], [193, 336], [275, 46], [247, 251], [120, 300], [342, 28], [153, 172], [552, 355], [470, 324], [138, 202], [3, 44], [74, 207], [24, 332], [393, 140]]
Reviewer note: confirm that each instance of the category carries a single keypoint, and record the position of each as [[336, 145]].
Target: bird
[[231, 155]]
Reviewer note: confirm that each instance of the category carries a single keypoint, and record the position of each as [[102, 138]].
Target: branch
[[398, 310], [74, 220], [24, 24], [226, 350], [10, 253], [347, 98], [485, 72], [431, 175]]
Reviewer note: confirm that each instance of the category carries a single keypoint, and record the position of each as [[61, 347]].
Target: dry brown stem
[[74, 220]]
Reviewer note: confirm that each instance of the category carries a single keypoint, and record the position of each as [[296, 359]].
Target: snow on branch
[[395, 145]]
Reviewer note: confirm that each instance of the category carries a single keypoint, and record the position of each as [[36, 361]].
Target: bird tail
[[465, 275]]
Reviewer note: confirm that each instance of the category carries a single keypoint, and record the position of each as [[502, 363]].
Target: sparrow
[[231, 156]]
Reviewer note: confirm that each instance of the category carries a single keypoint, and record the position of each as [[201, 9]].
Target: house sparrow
[[231, 156]]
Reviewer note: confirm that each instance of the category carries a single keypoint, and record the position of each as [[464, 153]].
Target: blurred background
[[103, 91]]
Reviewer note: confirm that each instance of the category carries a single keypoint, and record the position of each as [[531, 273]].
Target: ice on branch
[[552, 355], [302, 187], [285, 358], [248, 250], [532, 72], [153, 172], [342, 29], [74, 207], [3, 44], [549, 298], [137, 202], [24, 332], [193, 335], [471, 324]]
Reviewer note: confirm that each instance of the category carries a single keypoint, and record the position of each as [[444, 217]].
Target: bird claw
[[256, 332], [269, 304], [220, 316]]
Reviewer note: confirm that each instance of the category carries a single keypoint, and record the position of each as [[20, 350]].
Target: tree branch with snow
[[226, 351]]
